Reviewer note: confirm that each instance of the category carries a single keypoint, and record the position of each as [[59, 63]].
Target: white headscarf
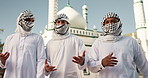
[[19, 29], [112, 28], [111, 32], [62, 29]]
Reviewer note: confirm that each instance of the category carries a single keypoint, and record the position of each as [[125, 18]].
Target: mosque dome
[[76, 20]]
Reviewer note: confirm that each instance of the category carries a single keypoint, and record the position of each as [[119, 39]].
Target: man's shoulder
[[36, 35], [101, 38], [128, 37], [75, 37], [11, 35]]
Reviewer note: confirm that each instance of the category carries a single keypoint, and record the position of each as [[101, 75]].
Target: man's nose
[[60, 22], [109, 22]]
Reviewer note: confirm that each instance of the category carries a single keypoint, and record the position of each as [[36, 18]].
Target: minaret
[[94, 27], [145, 3], [85, 14], [52, 12], [68, 2], [141, 24]]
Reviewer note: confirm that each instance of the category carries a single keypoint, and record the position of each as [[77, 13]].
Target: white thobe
[[129, 55], [60, 51], [26, 58]]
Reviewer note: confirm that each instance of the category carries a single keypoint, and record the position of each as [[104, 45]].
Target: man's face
[[61, 27], [26, 21], [61, 22], [110, 20], [111, 25], [28, 24]]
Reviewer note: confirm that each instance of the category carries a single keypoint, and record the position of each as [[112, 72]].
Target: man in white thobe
[[114, 55], [61, 50], [23, 53]]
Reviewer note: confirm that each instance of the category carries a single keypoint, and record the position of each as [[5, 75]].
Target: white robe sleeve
[[5, 49], [140, 60], [41, 56], [94, 64]]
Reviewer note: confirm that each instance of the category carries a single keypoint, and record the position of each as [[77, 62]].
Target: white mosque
[[79, 25]]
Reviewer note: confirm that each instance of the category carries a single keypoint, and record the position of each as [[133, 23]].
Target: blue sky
[[10, 10]]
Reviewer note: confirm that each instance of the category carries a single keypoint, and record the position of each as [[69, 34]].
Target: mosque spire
[[68, 2], [85, 14]]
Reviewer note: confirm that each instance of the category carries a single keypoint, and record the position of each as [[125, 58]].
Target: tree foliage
[[1, 47]]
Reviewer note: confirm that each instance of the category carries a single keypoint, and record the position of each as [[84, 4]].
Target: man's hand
[[109, 60], [4, 57], [49, 68], [80, 59]]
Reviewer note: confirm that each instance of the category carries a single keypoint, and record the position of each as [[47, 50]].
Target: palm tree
[[1, 47], [1, 70], [1, 30]]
